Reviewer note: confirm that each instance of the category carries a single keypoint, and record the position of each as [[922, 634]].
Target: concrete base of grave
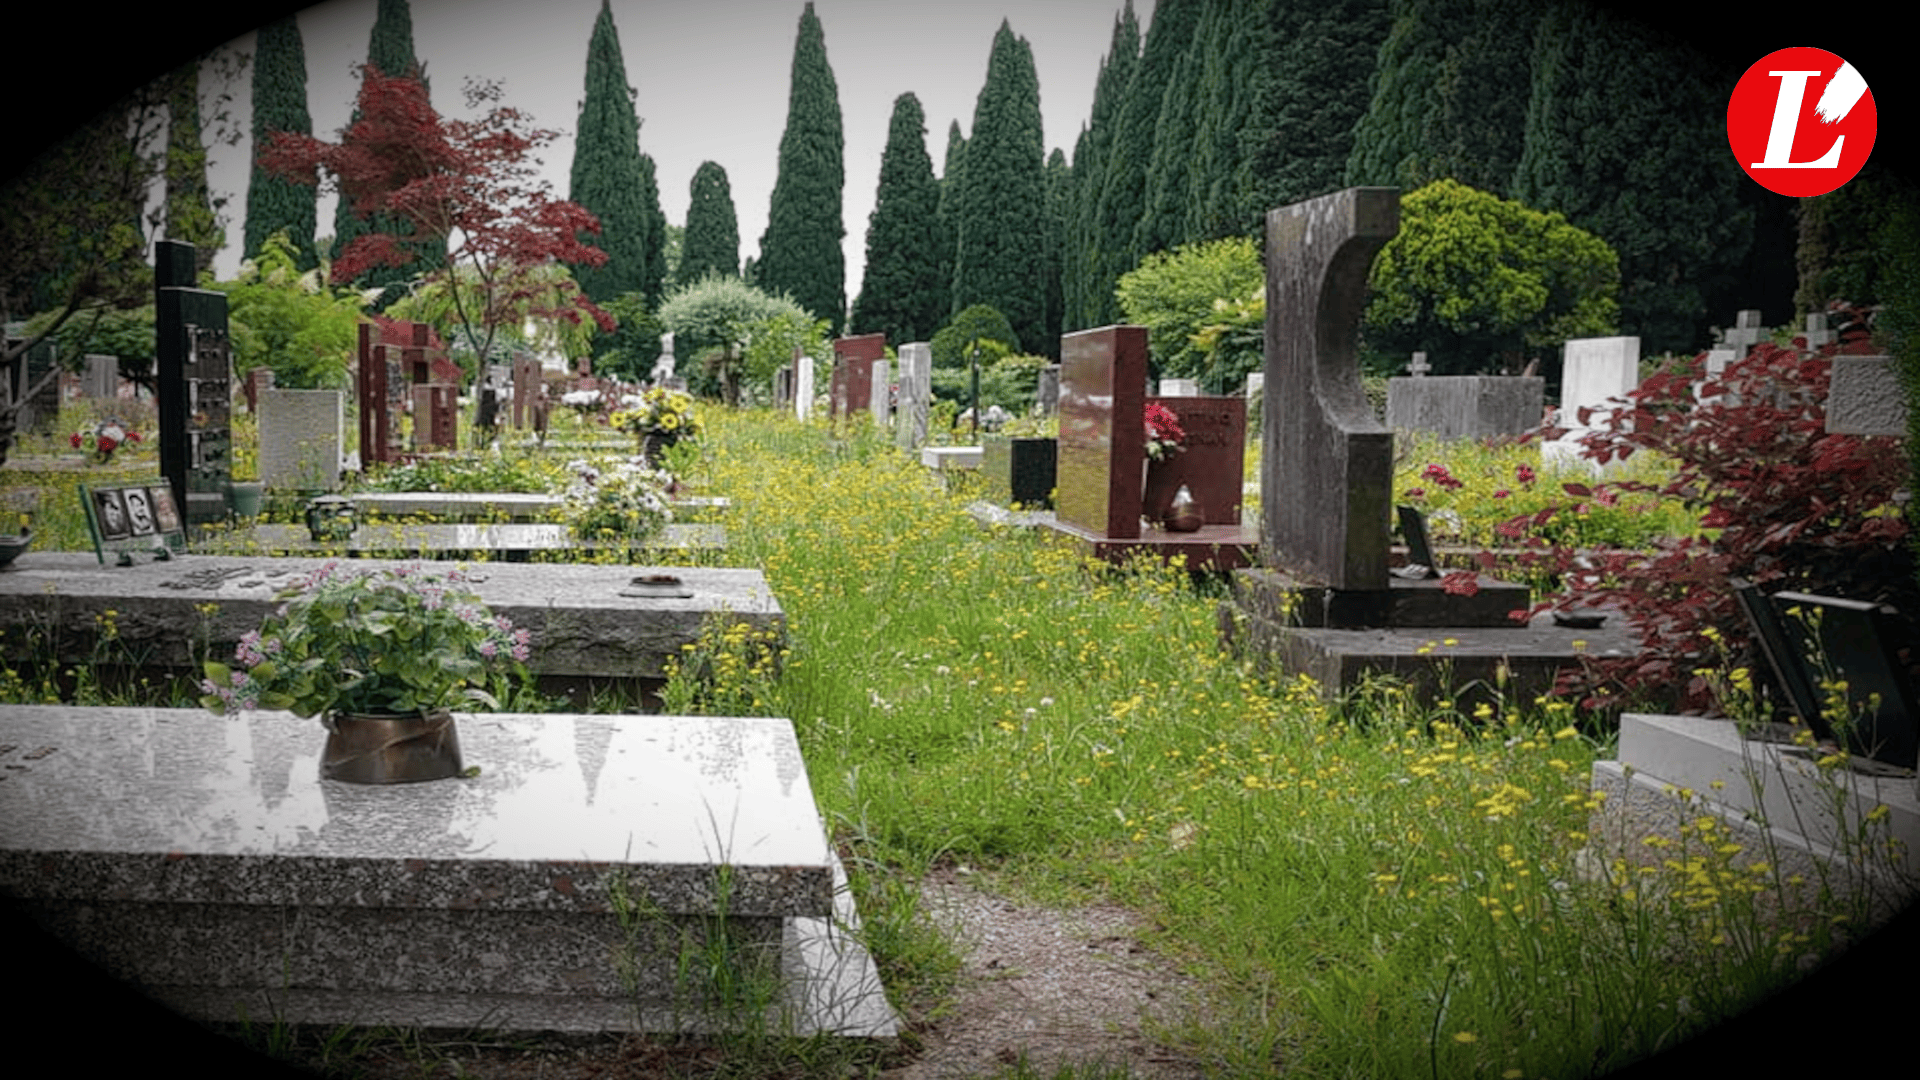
[[593, 629], [1778, 804], [599, 874], [948, 458], [1217, 548], [1420, 603], [511, 542], [1468, 665]]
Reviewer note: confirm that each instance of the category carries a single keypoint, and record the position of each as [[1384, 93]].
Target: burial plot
[[194, 380], [1101, 471], [1323, 601], [1212, 463], [589, 633], [227, 881], [851, 386]]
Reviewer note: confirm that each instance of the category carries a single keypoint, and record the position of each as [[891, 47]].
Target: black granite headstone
[[194, 383], [1853, 642]]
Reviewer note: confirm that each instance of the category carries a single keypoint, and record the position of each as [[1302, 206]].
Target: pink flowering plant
[[403, 640]]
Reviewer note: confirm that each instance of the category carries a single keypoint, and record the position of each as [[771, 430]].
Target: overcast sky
[[712, 78]]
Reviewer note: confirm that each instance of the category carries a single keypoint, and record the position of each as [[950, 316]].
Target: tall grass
[[1374, 888]]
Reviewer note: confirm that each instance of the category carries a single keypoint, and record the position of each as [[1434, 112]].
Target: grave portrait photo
[[110, 514], [139, 512]]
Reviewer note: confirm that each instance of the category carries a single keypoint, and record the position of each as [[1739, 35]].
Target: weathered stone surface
[[1103, 376], [1292, 601], [584, 631], [300, 434], [1466, 406], [512, 542], [1865, 397], [916, 395], [225, 870], [1327, 462]]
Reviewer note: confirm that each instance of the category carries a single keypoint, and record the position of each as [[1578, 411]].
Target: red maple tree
[[465, 190]]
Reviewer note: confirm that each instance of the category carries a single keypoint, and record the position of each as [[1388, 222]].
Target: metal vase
[[390, 749]]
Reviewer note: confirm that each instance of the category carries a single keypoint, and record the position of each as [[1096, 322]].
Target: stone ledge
[[225, 874]]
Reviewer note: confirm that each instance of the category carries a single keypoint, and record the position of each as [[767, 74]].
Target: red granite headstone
[[1103, 387], [853, 362], [1213, 463]]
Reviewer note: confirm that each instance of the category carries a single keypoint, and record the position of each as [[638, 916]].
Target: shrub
[[982, 323], [1778, 500], [1173, 294]]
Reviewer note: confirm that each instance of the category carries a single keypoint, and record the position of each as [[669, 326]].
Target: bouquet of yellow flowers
[[661, 412]]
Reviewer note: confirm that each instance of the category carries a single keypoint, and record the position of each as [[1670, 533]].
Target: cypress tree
[[1124, 189], [390, 51], [1059, 181], [1620, 157], [952, 167], [275, 204], [1310, 86], [800, 251], [606, 177], [188, 207], [1232, 59], [1163, 199], [1449, 96], [712, 243], [653, 270], [1089, 299], [903, 293], [1002, 196]]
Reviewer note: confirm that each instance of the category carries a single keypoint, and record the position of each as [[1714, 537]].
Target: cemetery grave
[[1322, 602], [1105, 485]]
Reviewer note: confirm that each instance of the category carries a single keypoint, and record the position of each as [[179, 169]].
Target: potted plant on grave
[[658, 418], [381, 657]]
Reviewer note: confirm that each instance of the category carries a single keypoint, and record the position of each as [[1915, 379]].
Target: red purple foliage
[[465, 187], [1782, 503]]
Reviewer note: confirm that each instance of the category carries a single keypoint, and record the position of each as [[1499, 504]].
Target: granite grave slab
[[225, 879], [587, 632]]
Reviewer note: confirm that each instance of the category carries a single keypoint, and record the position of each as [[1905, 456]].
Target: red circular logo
[[1801, 122]]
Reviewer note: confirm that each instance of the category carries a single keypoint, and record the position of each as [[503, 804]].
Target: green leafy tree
[[800, 251], [390, 52], [630, 350], [721, 315], [71, 230], [1088, 304], [1478, 282], [608, 177], [980, 323], [1173, 295], [902, 293], [274, 204], [712, 242], [1001, 208], [1621, 157], [290, 321]]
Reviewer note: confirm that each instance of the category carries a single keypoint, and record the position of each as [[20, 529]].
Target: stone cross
[[1817, 332], [1326, 466], [1419, 366], [1746, 332]]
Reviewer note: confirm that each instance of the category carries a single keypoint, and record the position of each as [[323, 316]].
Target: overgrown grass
[[1371, 889]]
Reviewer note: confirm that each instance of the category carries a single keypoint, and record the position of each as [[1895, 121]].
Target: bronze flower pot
[[390, 749]]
